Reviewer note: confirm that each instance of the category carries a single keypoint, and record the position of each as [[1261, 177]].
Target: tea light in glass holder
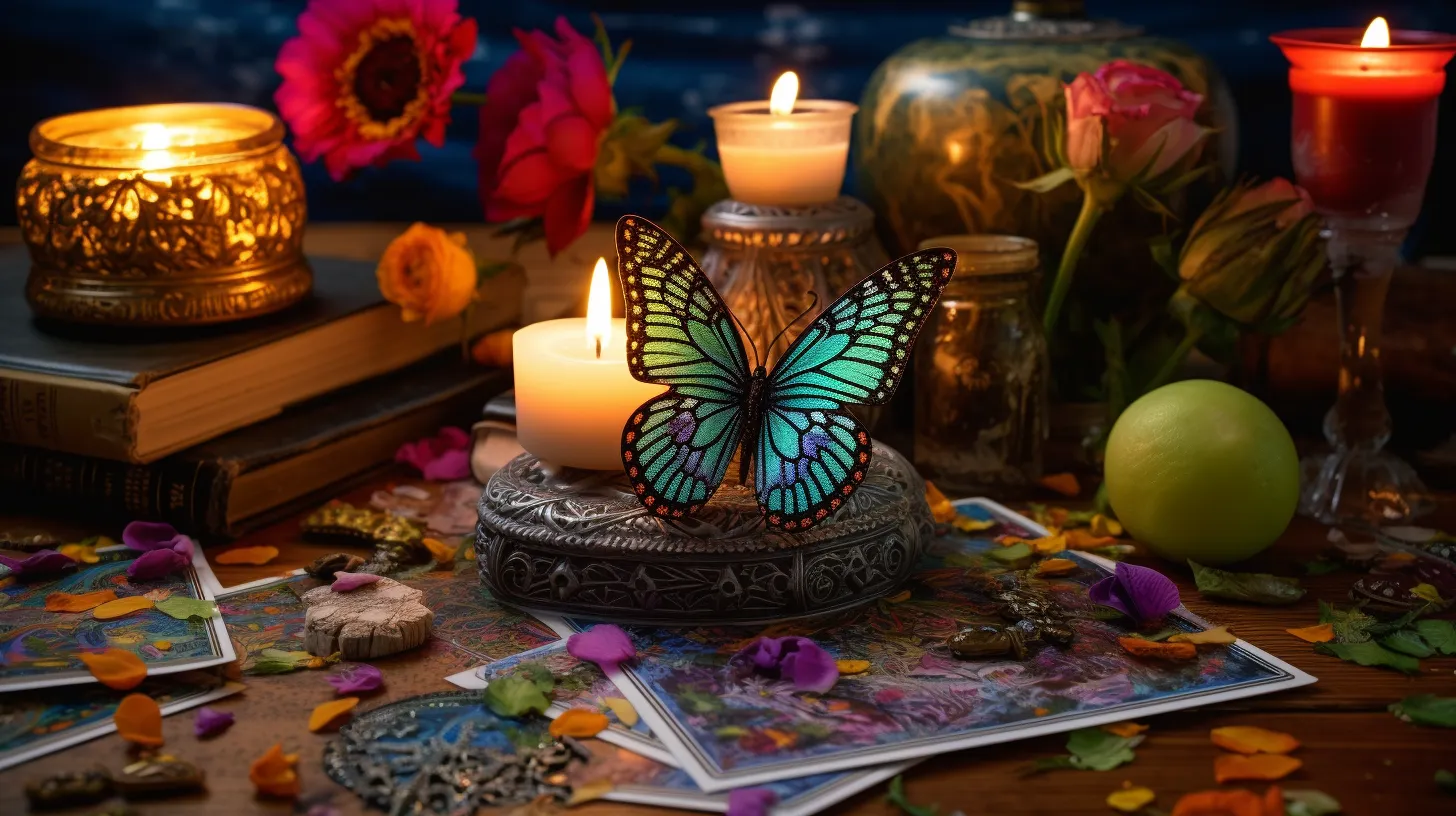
[[162, 215], [786, 152]]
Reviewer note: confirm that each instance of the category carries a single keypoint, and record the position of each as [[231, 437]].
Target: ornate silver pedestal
[[765, 261], [580, 543]]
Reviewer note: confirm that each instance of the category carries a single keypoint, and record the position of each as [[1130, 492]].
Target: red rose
[[545, 113]]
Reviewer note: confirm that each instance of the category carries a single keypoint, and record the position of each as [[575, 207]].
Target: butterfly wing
[[676, 447], [811, 454]]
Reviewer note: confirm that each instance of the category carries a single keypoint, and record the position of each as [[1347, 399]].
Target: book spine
[[68, 415], [190, 495]]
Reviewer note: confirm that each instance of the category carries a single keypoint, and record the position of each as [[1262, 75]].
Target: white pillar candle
[[785, 152], [574, 392]]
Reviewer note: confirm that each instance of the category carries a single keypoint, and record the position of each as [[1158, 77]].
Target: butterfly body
[[805, 453]]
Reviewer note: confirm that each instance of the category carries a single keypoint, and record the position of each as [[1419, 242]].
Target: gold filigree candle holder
[[162, 215]]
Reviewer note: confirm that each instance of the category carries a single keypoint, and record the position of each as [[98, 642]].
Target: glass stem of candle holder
[[1357, 481]]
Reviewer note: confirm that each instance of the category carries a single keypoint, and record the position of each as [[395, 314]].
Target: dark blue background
[[67, 55]]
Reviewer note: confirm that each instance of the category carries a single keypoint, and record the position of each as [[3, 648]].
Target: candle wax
[[784, 176], [1364, 155], [571, 405]]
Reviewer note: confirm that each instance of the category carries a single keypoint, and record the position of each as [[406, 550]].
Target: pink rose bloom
[[1270, 192], [1143, 118], [545, 112]]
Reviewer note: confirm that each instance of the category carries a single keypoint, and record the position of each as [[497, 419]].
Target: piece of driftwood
[[374, 620]]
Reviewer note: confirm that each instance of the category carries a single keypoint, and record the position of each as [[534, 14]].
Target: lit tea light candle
[[787, 152], [574, 392]]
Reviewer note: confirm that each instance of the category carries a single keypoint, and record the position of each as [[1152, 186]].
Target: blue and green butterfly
[[806, 453]]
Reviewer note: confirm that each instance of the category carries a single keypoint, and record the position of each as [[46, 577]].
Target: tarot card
[[265, 614], [730, 728], [41, 721], [39, 648], [469, 619]]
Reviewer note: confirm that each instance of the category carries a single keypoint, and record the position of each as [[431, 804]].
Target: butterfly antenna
[[813, 302], [757, 360]]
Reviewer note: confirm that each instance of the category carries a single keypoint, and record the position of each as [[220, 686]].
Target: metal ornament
[[69, 789], [398, 541]]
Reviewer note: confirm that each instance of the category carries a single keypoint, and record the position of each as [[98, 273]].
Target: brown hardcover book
[[251, 476], [138, 395]]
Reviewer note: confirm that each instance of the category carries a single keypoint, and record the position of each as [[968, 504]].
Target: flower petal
[[350, 581], [66, 602], [1107, 592], [1063, 483], [626, 714], [1165, 651], [604, 644], [579, 722], [1250, 739], [1150, 592], [42, 564], [275, 773], [1220, 803], [115, 668], [181, 607], [1319, 633], [798, 660], [138, 720], [211, 722], [326, 713], [1217, 636], [155, 564], [255, 556], [751, 801], [1260, 767], [150, 535], [121, 606], [1131, 799], [355, 678]]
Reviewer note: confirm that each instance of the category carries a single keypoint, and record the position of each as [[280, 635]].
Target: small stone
[[69, 789], [324, 567], [163, 775], [372, 621]]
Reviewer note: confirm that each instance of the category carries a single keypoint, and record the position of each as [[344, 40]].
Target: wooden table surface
[[1352, 748]]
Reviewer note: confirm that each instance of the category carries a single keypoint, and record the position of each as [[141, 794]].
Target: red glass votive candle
[[1365, 119]]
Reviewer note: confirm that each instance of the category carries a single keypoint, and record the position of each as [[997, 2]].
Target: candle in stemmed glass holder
[[1364, 138]]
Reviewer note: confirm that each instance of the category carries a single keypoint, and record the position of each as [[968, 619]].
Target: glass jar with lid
[[981, 372]]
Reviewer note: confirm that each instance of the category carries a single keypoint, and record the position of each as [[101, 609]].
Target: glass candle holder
[[162, 215], [1364, 139], [794, 159]]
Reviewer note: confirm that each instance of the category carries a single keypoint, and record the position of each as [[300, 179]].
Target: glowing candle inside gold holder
[[162, 215]]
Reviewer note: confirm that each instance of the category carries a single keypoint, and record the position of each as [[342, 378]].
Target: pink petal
[[150, 535], [355, 678], [350, 581], [568, 213], [1151, 593], [156, 564], [604, 644], [453, 437], [42, 564], [751, 801], [449, 466], [211, 722]]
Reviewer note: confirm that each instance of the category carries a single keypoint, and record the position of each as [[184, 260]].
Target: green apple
[[1200, 469]]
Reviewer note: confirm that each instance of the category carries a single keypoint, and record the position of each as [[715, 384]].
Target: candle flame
[[785, 93], [1377, 35], [156, 138], [599, 310]]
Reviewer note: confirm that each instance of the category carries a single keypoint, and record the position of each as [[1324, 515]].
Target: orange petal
[[1056, 566], [940, 507], [139, 720], [1165, 651], [274, 773], [1063, 483], [1080, 539], [121, 606], [442, 553], [66, 602], [1249, 739], [578, 722], [247, 555], [325, 713], [1263, 767], [1219, 803], [116, 668], [1125, 729], [1319, 633], [1274, 801]]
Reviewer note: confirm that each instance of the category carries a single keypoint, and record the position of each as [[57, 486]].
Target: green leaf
[[1441, 634], [1250, 587], [514, 696], [1010, 555], [182, 608], [1048, 182], [1446, 781], [538, 674], [896, 797], [1093, 749], [1370, 653], [1407, 641], [1309, 803], [1350, 625], [1427, 709], [1428, 593], [278, 661]]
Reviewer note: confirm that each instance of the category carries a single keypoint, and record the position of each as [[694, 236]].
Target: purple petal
[[183, 547], [604, 644], [355, 678], [211, 722], [150, 535], [150, 566], [350, 581], [41, 564], [1107, 592], [1151, 593], [798, 660], [751, 801]]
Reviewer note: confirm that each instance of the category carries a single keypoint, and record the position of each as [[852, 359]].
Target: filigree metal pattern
[[582, 543]]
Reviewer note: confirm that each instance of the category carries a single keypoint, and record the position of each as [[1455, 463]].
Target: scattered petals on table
[[154, 564], [182, 607], [1223, 803], [579, 722], [1143, 594], [626, 714], [1056, 566], [138, 720], [1063, 483], [1101, 525], [443, 457], [590, 791], [1250, 739], [1217, 636], [66, 602], [604, 644], [84, 551], [255, 556], [211, 722], [355, 678], [121, 606], [116, 668], [1125, 729], [330, 712], [1260, 767], [751, 801], [798, 660], [852, 666], [41, 564], [1319, 633], [275, 773], [1139, 647], [1080, 539], [350, 581], [145, 536], [940, 507], [1130, 798], [442, 553]]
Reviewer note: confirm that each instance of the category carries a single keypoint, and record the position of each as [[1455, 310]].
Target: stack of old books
[[218, 430]]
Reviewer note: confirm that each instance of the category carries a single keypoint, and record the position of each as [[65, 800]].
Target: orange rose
[[429, 273]]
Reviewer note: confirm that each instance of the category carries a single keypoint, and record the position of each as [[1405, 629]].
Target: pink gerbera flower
[[365, 78]]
